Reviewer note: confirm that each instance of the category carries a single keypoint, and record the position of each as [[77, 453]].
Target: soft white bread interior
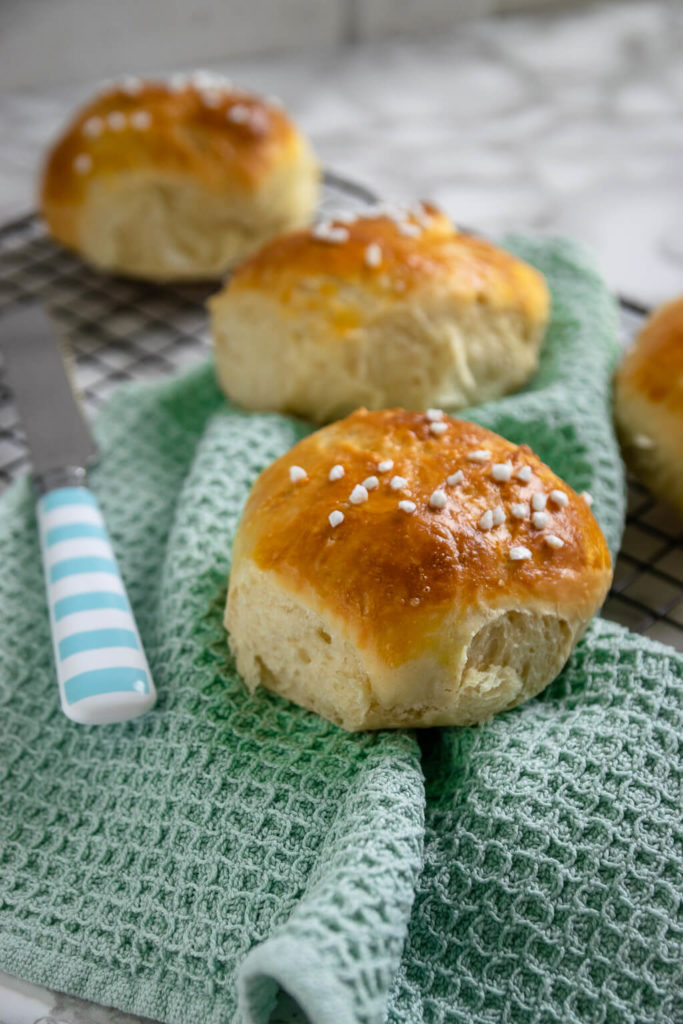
[[649, 404], [454, 578], [177, 180], [396, 308]]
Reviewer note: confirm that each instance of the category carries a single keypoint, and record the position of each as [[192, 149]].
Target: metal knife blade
[[57, 434]]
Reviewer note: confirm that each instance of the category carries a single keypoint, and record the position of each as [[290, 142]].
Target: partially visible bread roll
[[395, 308], [407, 569], [649, 404], [178, 180]]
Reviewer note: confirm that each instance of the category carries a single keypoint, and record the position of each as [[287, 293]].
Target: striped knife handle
[[102, 670]]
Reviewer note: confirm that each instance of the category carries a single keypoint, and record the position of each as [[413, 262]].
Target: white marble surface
[[564, 123], [53, 41]]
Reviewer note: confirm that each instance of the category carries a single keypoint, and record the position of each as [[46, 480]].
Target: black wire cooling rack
[[120, 330]]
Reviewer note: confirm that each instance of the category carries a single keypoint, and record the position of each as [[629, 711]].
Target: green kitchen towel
[[186, 865]]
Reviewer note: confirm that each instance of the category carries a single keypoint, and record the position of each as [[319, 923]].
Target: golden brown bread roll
[[396, 308], [408, 569], [178, 180], [649, 404]]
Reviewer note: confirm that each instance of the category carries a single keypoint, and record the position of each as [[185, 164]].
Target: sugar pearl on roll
[[238, 113], [116, 120], [519, 553], [93, 127], [83, 163], [373, 255], [325, 232], [407, 506], [131, 85], [141, 120], [501, 471], [559, 498], [212, 98]]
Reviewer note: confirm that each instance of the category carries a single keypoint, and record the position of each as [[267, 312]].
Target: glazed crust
[[649, 403], [185, 137], [654, 365], [438, 259], [392, 576]]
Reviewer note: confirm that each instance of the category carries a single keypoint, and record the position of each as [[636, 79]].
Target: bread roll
[[649, 404], [398, 308], [407, 569], [176, 181]]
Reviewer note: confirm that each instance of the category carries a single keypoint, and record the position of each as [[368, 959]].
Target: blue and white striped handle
[[102, 670]]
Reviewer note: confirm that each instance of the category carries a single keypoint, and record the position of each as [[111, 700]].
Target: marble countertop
[[555, 123]]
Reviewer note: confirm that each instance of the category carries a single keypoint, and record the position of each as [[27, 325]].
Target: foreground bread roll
[[408, 569], [649, 404], [178, 180], [397, 308]]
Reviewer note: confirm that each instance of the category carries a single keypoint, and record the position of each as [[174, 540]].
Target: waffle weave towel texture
[[185, 865]]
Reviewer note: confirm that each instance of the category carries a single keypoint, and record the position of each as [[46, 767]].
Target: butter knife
[[102, 670]]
